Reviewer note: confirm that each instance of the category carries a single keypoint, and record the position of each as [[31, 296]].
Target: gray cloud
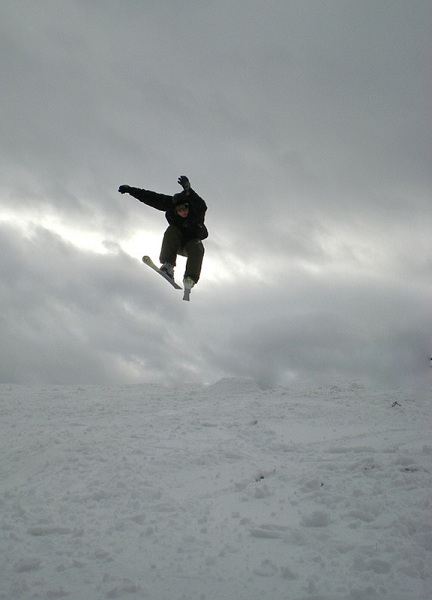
[[305, 128]]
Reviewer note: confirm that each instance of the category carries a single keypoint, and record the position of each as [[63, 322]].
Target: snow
[[213, 492]]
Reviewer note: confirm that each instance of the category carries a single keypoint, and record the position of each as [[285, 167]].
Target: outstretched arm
[[153, 199]]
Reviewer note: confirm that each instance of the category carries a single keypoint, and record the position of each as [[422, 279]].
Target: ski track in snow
[[206, 493]]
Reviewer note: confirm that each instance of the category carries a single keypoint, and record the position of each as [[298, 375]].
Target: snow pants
[[193, 249]]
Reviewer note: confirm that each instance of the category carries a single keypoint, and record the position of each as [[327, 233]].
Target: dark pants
[[173, 244]]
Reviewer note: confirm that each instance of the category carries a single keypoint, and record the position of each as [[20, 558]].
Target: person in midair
[[185, 213]]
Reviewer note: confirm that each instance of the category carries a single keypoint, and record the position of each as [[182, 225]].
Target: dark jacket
[[192, 226]]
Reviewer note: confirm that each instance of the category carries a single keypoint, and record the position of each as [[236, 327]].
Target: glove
[[184, 182], [124, 189]]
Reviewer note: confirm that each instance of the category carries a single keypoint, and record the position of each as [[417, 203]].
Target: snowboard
[[148, 261]]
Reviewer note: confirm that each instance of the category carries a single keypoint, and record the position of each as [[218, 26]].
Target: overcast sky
[[304, 124]]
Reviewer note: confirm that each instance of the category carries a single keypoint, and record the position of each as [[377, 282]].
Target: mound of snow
[[225, 491]]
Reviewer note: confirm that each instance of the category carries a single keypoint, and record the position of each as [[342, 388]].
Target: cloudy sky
[[304, 124]]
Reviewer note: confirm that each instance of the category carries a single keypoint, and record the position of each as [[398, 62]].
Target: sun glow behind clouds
[[83, 238], [342, 253], [136, 245]]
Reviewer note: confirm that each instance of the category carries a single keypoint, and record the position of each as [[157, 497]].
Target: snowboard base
[[148, 261]]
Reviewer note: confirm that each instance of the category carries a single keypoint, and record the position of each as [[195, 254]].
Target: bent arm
[[197, 202]]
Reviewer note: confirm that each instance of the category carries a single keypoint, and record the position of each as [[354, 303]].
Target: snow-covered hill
[[219, 492]]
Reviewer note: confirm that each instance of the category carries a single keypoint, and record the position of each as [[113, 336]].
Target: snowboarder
[[185, 214]]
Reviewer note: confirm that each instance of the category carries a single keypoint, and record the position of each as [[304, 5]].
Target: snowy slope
[[211, 493]]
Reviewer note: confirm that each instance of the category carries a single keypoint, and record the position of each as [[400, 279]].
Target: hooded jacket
[[193, 225]]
